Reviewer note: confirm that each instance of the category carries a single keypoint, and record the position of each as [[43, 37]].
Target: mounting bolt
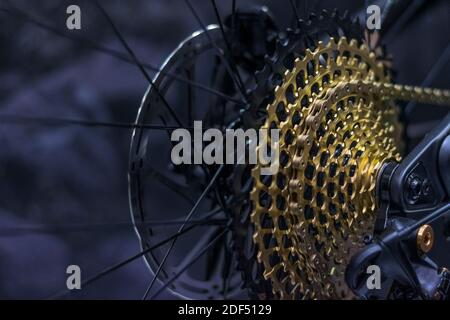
[[425, 239], [418, 188], [415, 185]]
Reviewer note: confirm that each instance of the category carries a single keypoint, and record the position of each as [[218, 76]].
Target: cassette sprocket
[[338, 125], [289, 45]]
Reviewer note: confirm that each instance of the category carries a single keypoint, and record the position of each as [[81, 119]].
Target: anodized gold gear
[[338, 126]]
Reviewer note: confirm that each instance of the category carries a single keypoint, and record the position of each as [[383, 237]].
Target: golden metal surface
[[338, 125], [425, 238]]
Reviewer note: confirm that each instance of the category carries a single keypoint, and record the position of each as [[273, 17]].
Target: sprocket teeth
[[295, 41], [296, 170]]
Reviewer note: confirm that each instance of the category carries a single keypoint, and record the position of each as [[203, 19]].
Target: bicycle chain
[[338, 125]]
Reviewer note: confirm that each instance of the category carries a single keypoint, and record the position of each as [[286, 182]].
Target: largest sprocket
[[290, 45]]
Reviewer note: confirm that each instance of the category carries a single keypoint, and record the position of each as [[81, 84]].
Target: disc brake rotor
[[154, 182]]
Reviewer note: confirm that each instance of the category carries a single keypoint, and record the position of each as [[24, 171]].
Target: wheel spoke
[[295, 11], [113, 53], [123, 263], [12, 119], [226, 268], [231, 69], [137, 62], [228, 47], [187, 265], [149, 172], [64, 228], [190, 95], [188, 217]]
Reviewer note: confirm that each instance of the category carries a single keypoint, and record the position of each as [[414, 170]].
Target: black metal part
[[417, 186], [443, 289], [383, 195], [254, 31], [444, 164], [412, 193], [401, 264]]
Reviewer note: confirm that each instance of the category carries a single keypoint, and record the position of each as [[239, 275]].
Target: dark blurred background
[[53, 178]]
